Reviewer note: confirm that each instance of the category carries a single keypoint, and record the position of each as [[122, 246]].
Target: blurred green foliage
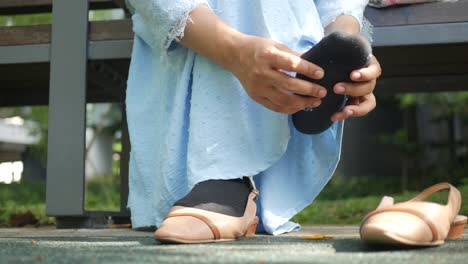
[[342, 201], [349, 208], [102, 193], [451, 158], [444, 103], [46, 18], [39, 115], [24, 20]]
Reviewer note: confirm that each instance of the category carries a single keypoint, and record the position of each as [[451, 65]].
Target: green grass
[[18, 198], [102, 194], [352, 210], [343, 200]]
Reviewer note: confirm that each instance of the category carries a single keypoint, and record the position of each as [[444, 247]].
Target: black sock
[[338, 54], [221, 196]]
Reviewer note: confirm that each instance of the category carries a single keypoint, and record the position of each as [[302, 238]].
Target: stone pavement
[[49, 245]]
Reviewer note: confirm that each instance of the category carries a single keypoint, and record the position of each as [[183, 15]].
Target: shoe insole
[[227, 197], [338, 54]]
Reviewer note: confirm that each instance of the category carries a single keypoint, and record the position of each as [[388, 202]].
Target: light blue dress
[[190, 120]]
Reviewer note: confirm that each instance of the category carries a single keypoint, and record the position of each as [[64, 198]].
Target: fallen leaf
[[22, 219], [119, 226], [316, 237]]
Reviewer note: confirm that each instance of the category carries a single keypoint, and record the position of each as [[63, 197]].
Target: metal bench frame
[[67, 119], [69, 53]]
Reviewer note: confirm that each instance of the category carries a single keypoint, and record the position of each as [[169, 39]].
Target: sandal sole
[[455, 232], [249, 233]]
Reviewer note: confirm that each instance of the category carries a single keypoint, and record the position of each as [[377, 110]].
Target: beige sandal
[[191, 225], [415, 222]]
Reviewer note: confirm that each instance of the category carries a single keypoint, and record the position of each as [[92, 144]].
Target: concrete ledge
[[125, 245]]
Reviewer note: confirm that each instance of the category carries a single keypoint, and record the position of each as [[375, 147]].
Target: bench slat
[[13, 7], [427, 13], [28, 84], [40, 34]]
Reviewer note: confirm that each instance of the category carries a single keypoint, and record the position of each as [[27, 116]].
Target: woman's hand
[[361, 97], [260, 64]]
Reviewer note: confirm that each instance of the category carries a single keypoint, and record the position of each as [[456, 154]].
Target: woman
[[208, 103]]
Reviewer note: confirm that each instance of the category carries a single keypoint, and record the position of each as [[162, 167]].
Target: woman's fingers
[[365, 80], [372, 72], [290, 84], [292, 102], [366, 105], [270, 105], [276, 106], [287, 49], [285, 60], [355, 89], [284, 102], [362, 100], [261, 67], [356, 107]]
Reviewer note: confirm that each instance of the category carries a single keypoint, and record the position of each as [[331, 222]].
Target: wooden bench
[[25, 55], [25, 62], [422, 48], [15, 7]]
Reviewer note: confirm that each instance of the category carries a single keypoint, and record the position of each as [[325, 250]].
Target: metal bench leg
[[67, 110]]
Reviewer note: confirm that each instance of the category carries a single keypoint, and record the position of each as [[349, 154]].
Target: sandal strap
[[204, 219], [454, 196], [430, 224], [253, 188], [429, 191]]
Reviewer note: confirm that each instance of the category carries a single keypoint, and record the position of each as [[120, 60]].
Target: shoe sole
[[170, 240], [381, 237], [338, 54]]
